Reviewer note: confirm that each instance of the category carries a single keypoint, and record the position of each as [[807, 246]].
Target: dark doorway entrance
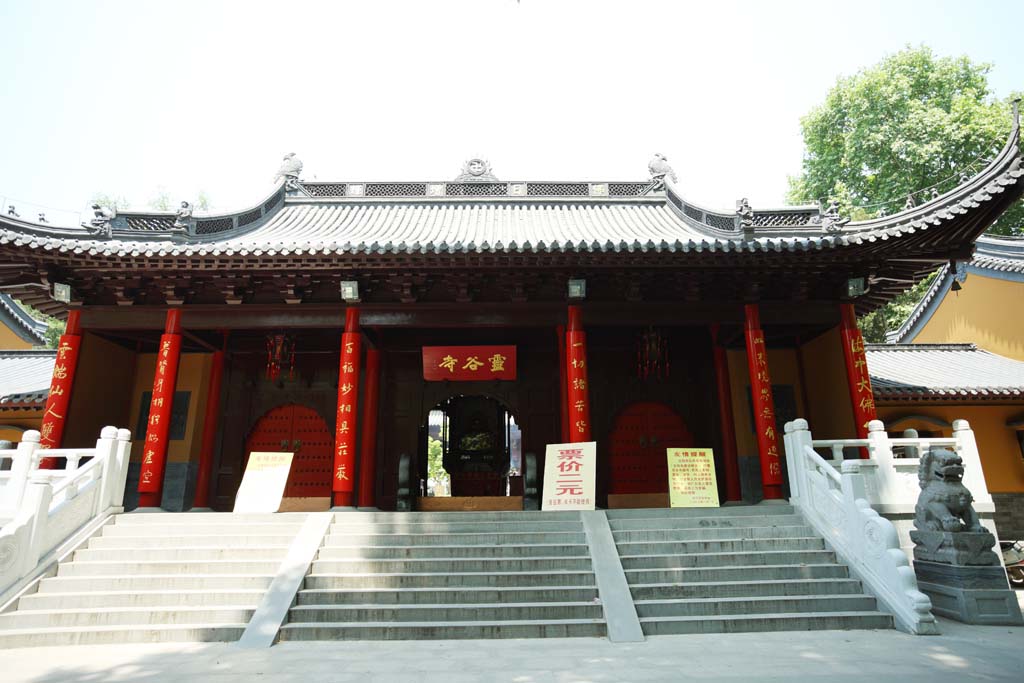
[[301, 430], [640, 435]]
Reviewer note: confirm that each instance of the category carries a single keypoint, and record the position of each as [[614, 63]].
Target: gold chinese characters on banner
[[691, 478]]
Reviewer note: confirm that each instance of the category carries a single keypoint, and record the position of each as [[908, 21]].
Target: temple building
[[350, 322]]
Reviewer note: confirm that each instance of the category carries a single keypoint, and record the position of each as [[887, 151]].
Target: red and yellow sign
[[60, 391], [764, 404], [857, 375], [691, 478], [468, 363], [345, 426]]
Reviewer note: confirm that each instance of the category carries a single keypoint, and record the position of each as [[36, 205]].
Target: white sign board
[[570, 475], [263, 482]]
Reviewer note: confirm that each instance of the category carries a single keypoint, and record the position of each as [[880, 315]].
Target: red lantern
[[280, 349], [652, 355]]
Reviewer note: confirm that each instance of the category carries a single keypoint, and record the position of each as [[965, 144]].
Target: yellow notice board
[[263, 482], [691, 478]]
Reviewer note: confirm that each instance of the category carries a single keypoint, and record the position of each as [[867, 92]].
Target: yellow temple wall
[[828, 394], [14, 423], [101, 393], [1000, 451], [11, 341], [193, 376], [782, 364], [988, 312]]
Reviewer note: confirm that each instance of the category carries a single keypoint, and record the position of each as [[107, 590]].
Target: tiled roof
[[25, 378], [942, 371], [993, 256], [20, 322]]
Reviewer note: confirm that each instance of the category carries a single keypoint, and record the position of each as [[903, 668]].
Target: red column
[[202, 497], [764, 405], [578, 405], [857, 377], [562, 379], [55, 416], [725, 419], [368, 428], [345, 427], [154, 448]]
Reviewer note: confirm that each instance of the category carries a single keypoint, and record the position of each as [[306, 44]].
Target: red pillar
[[154, 448], [368, 428], [725, 419], [562, 379], [578, 405], [345, 427], [764, 405], [55, 415], [210, 419], [857, 376]]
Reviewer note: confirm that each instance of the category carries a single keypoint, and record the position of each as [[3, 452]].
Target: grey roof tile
[[956, 371]]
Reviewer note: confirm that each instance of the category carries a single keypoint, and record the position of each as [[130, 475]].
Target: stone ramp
[[152, 577], [735, 569], [449, 575]]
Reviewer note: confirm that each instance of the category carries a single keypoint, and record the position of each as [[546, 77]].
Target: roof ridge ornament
[[289, 170], [99, 224], [476, 170], [746, 214], [660, 170], [831, 220], [183, 217]]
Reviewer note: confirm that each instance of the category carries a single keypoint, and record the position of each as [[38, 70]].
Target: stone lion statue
[[945, 504], [289, 171]]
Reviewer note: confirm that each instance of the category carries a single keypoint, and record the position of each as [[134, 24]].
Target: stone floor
[[961, 653]]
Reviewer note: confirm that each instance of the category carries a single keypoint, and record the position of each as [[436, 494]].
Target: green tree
[[911, 123], [435, 464], [54, 327], [115, 202], [876, 324]]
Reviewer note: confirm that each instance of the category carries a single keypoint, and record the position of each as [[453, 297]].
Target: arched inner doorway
[[473, 447], [639, 437], [300, 430]]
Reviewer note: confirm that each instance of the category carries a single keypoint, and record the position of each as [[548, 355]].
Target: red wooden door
[[300, 430], [640, 435]]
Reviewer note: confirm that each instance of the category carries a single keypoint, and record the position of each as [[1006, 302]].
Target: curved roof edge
[[20, 322], [998, 257]]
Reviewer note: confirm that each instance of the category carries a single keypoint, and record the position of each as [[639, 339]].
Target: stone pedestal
[[973, 548], [971, 594]]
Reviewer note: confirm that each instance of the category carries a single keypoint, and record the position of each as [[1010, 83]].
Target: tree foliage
[[115, 202], [435, 465], [909, 124], [876, 324]]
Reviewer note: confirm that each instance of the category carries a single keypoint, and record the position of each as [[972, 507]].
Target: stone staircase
[[732, 569], [152, 577], [395, 576]]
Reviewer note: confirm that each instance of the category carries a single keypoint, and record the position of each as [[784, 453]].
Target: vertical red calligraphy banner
[[576, 378], [345, 427], [857, 376], [158, 424], [764, 404], [51, 431]]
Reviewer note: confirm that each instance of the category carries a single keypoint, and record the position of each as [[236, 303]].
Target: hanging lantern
[[280, 350], [652, 355]]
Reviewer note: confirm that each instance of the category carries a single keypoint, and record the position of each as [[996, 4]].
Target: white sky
[[136, 97]]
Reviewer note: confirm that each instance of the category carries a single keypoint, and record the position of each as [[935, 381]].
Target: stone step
[[154, 568], [740, 589], [140, 598], [156, 530], [196, 518], [634, 549], [144, 540], [738, 573], [769, 510], [445, 579], [766, 622], [461, 565], [710, 533], [730, 559], [452, 551], [124, 616], [465, 538], [716, 522], [183, 554], [456, 526], [204, 633], [433, 596], [445, 612], [562, 628], [786, 604], [115, 582], [359, 516]]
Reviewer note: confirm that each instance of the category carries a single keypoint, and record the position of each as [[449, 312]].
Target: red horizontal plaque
[[469, 363]]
